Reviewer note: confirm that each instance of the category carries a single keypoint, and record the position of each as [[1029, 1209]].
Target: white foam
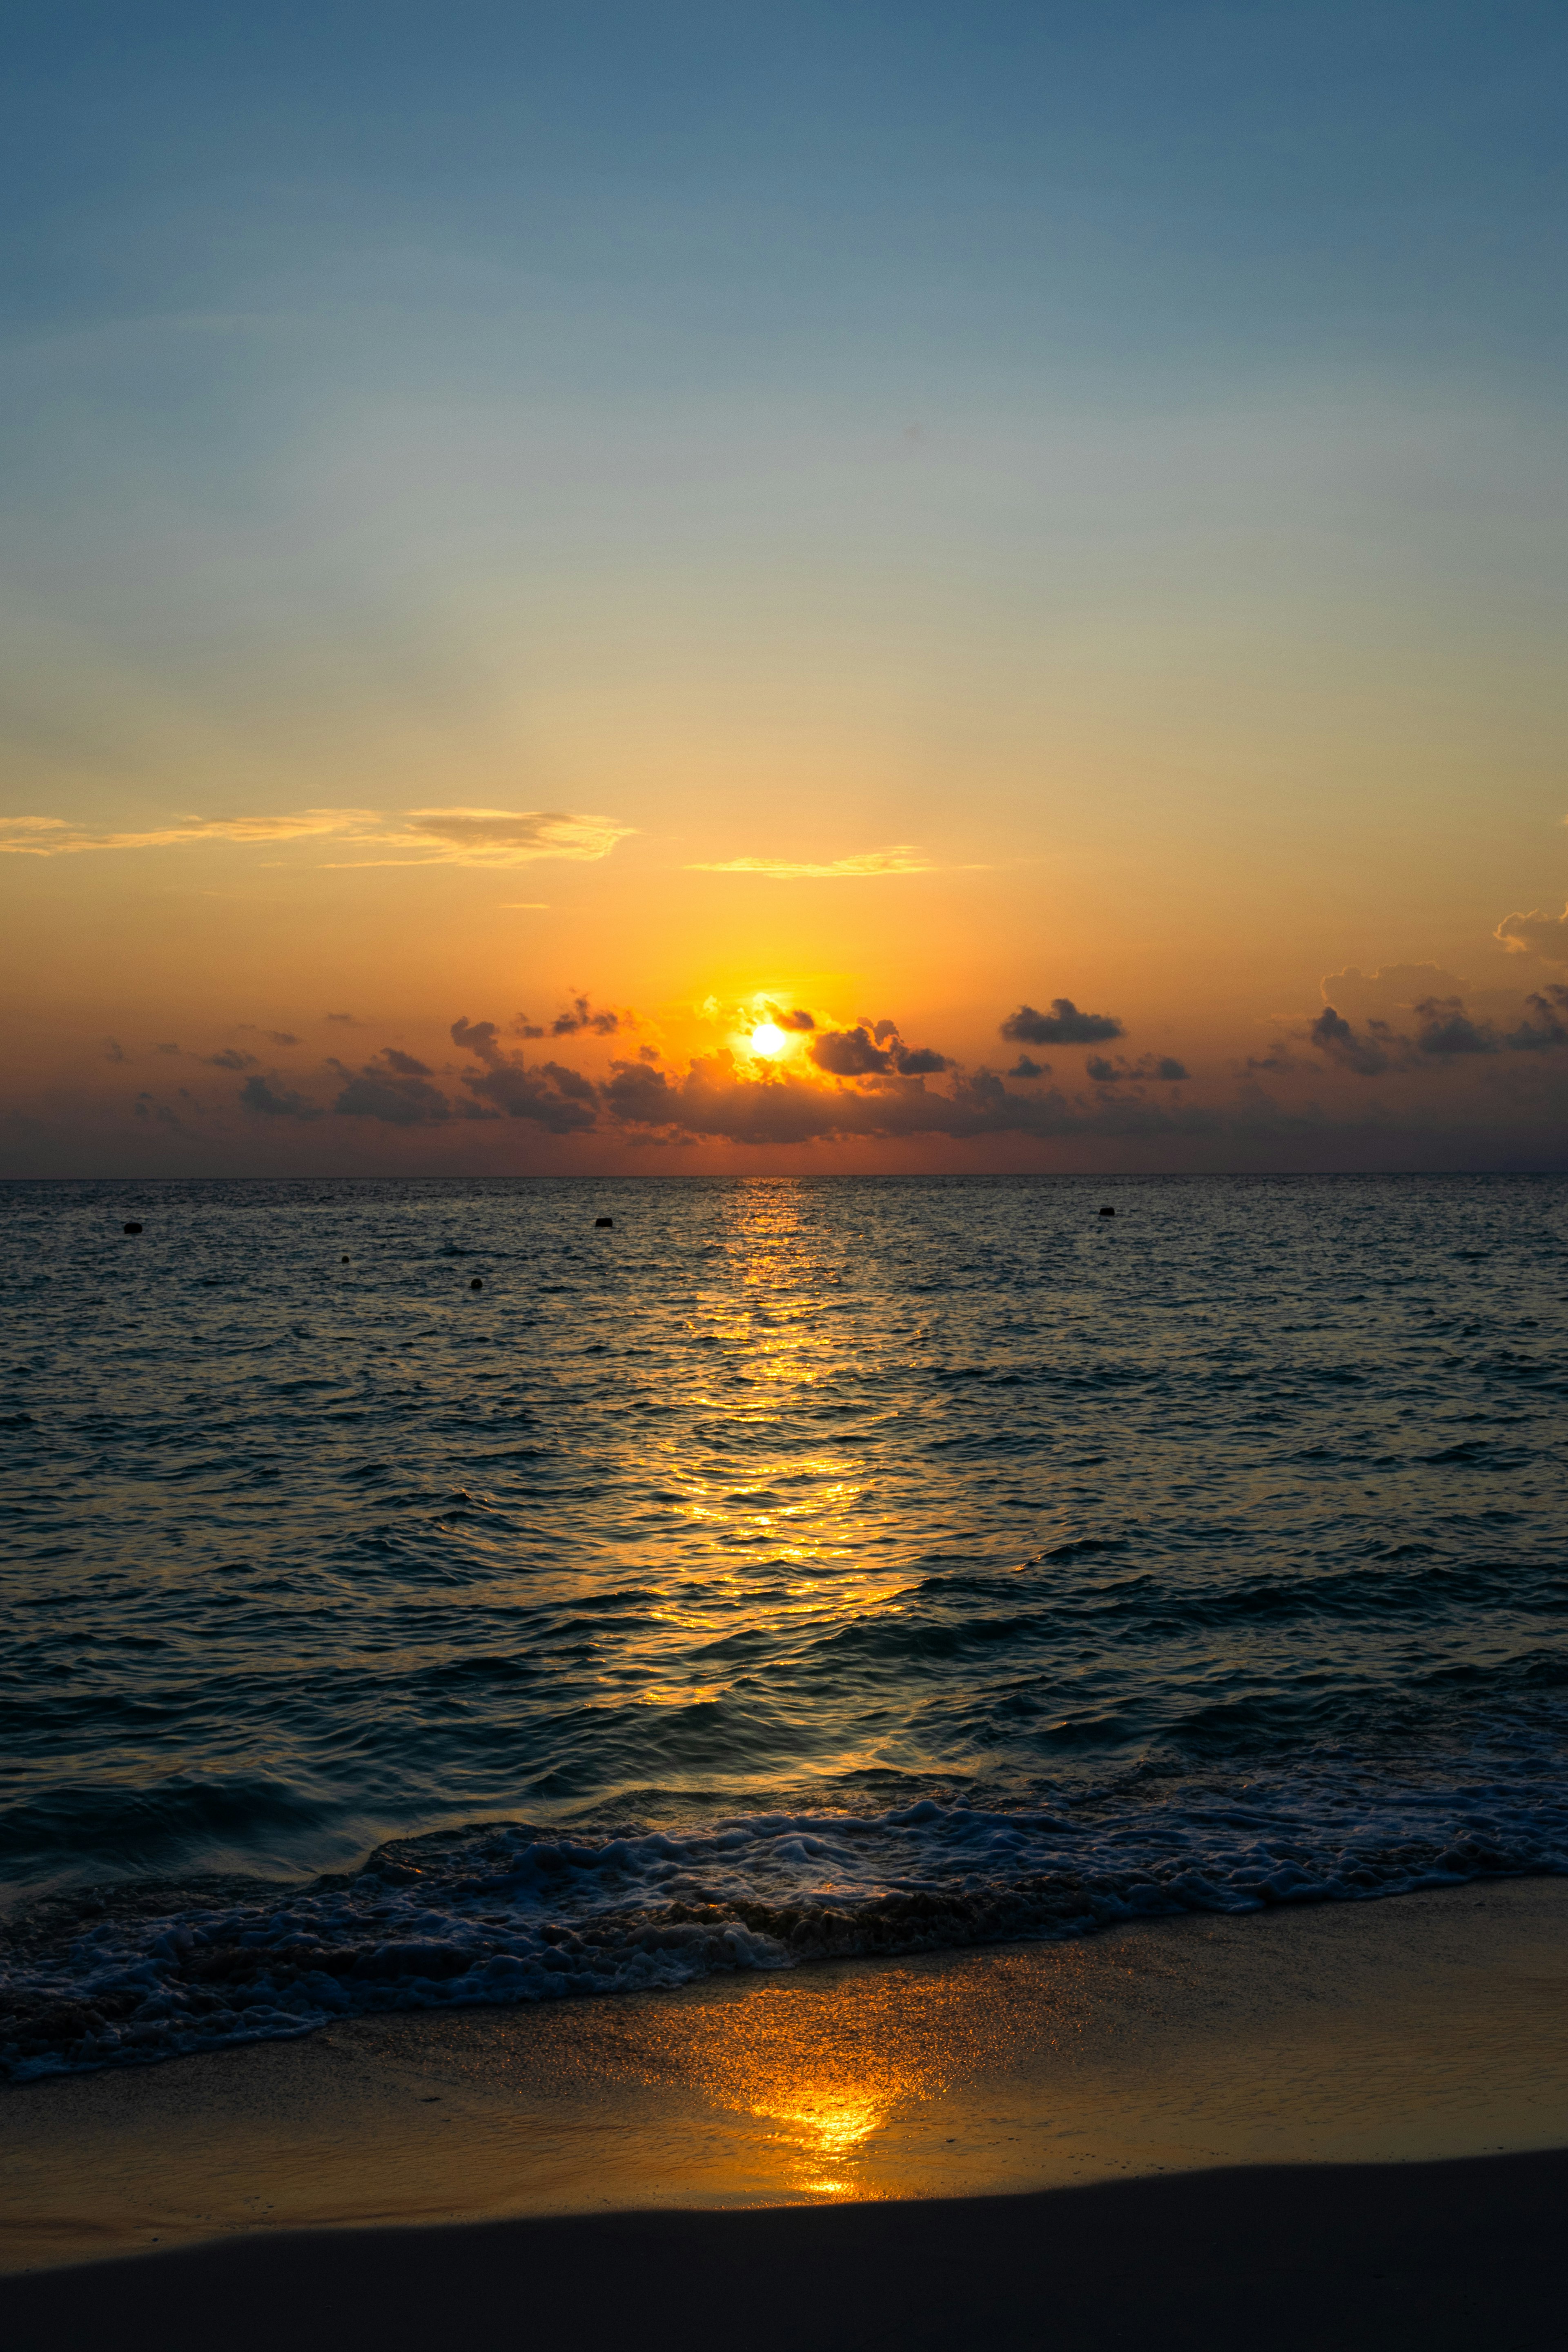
[[510, 1916]]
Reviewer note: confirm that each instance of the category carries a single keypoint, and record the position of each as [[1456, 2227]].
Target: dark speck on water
[[838, 1565]]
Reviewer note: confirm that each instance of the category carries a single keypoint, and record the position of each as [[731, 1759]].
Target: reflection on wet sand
[[1274, 2038]]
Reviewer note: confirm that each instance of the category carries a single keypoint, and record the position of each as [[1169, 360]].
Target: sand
[[1276, 2121]]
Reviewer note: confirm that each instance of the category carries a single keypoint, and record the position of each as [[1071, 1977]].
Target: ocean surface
[[797, 1568]]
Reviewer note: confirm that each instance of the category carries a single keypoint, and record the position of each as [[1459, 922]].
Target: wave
[[514, 1914]]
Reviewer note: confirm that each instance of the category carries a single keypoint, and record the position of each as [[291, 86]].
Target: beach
[[832, 1762], [1322, 2120]]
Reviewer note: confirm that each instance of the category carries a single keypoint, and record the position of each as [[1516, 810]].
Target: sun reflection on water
[[827, 2129]]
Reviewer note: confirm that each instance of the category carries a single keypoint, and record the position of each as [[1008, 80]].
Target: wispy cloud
[[434, 837], [870, 865]]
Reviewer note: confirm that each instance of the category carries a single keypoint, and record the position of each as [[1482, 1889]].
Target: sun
[[768, 1039]]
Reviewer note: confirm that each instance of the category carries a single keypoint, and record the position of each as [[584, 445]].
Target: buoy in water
[[345, 1260], [1108, 1212], [476, 1283], [603, 1221], [132, 1229]]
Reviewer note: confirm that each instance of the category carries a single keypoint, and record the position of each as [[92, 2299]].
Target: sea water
[[791, 1568]]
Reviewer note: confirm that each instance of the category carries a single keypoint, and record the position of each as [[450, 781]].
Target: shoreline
[[1427, 2027]]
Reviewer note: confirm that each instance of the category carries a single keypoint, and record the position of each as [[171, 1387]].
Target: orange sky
[[927, 537]]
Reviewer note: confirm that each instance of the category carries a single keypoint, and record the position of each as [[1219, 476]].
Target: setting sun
[[766, 1038]]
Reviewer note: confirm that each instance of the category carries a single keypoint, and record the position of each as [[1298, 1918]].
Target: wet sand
[[1242, 2112]]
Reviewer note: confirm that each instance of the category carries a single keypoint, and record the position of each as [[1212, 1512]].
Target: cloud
[[165, 1049], [399, 1099], [1367, 1055], [273, 1102], [554, 1096], [1280, 1060], [231, 1058], [849, 1054], [281, 1037], [1536, 933], [148, 1107], [580, 1015], [917, 1060], [1547, 1031], [1064, 1024], [475, 836], [1025, 1068], [345, 1019], [53, 836], [714, 1101], [1121, 1072], [1446, 1028], [1445, 1034], [1393, 988], [113, 1051], [434, 836], [869, 865], [481, 1038], [798, 1019], [404, 1065]]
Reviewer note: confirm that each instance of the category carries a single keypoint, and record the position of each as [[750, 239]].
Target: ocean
[[789, 1569]]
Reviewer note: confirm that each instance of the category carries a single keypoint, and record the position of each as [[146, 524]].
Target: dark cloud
[[648, 1054], [1392, 989], [1064, 1024], [1162, 1066], [283, 1038], [1446, 1028], [796, 1020], [1023, 1067], [165, 1049], [1444, 1032], [148, 1107], [883, 1030], [261, 1096], [113, 1051], [231, 1058], [396, 1088], [1537, 933], [523, 1027], [1367, 1054], [1544, 1031], [1280, 1060], [478, 1037], [580, 1015], [850, 1054], [918, 1061], [714, 1101], [557, 1099], [400, 1102], [347, 1020]]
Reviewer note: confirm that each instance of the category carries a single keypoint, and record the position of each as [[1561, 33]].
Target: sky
[[591, 588]]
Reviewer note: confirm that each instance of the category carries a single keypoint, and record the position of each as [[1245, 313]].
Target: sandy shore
[[1273, 2121]]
